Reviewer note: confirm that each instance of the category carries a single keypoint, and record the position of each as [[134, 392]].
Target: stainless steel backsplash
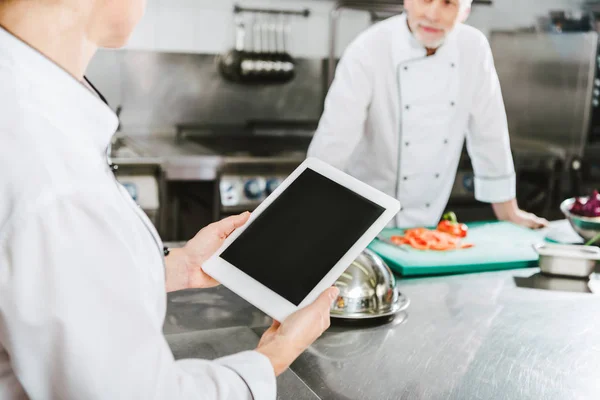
[[158, 91], [547, 82]]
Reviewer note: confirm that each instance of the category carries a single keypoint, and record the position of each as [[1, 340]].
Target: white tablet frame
[[268, 301]]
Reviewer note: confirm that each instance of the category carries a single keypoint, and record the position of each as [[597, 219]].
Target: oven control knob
[[272, 184], [253, 189]]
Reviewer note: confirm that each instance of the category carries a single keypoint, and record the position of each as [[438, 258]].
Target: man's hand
[[283, 343], [184, 266], [510, 211], [528, 220]]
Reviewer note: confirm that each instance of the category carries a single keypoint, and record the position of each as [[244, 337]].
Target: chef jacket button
[[407, 143], [405, 178], [437, 176], [427, 205], [406, 68], [452, 103], [407, 107], [445, 141], [453, 65]]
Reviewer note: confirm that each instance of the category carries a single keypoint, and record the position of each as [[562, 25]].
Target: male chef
[[407, 93]]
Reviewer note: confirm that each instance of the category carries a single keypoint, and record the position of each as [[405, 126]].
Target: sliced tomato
[[425, 239], [399, 240], [419, 245]]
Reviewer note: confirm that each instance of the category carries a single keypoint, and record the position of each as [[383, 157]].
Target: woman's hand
[[184, 266], [283, 343]]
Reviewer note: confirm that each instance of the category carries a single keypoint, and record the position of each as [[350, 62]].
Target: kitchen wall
[[206, 26], [172, 31], [159, 91]]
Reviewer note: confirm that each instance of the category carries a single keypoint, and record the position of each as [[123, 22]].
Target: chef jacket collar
[[409, 49], [64, 101]]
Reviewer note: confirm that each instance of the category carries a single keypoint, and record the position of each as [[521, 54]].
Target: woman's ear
[[464, 15]]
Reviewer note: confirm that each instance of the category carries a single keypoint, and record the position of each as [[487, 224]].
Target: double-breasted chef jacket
[[397, 119], [82, 279]]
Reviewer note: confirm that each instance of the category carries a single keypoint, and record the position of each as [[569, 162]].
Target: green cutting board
[[498, 246]]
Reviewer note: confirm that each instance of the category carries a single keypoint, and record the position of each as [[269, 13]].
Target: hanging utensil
[[260, 48], [266, 54], [266, 59], [247, 66], [289, 64], [230, 63], [272, 51], [279, 32]]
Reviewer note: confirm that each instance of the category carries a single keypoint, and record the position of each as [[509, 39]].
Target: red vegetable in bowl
[[589, 207]]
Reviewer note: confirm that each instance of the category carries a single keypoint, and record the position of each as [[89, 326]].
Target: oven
[[251, 166], [240, 184]]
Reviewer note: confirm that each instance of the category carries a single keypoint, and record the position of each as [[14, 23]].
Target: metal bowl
[[567, 260], [367, 290], [586, 227]]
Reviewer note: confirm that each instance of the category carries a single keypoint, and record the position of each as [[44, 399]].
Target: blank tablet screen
[[296, 241]]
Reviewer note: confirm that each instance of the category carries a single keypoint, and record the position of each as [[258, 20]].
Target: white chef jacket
[[82, 286], [397, 119]]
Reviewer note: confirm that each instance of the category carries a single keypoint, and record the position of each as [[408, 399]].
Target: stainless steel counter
[[185, 160], [498, 335]]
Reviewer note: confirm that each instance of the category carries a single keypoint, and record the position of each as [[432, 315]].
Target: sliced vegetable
[[426, 239], [449, 224]]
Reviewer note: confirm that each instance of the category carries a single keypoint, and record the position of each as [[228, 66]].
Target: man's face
[[432, 20]]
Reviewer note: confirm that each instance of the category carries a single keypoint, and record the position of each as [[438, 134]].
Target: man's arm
[[488, 143], [510, 211], [342, 124]]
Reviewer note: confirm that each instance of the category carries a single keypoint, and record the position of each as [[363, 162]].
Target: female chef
[[82, 271]]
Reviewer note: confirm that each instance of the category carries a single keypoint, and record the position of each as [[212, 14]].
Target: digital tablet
[[301, 238]]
